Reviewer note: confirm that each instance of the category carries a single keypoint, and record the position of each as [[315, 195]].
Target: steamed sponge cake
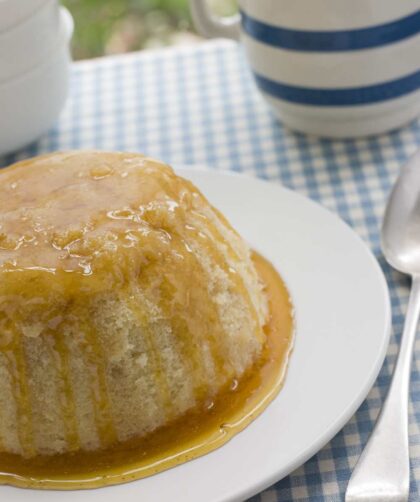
[[126, 300]]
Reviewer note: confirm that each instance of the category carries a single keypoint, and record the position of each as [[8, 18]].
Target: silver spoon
[[382, 473]]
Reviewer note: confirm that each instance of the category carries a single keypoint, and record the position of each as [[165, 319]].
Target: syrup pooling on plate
[[196, 434]]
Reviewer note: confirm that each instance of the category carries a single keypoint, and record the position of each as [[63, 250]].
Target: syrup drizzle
[[191, 436], [96, 366], [17, 369], [61, 350]]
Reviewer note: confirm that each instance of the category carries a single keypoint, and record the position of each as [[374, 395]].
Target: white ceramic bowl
[[31, 102], [26, 44], [13, 12]]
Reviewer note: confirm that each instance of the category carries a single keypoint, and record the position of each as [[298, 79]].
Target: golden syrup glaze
[[18, 372], [195, 434], [17, 369], [89, 217], [60, 351], [100, 219], [97, 370], [159, 372]]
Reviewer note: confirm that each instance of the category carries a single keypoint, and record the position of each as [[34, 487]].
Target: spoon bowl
[[401, 225]]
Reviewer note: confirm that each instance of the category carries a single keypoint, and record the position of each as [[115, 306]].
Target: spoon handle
[[383, 470]]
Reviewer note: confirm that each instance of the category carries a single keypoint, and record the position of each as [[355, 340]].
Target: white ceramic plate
[[343, 324]]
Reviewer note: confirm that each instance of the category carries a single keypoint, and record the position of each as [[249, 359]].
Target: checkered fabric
[[199, 105]]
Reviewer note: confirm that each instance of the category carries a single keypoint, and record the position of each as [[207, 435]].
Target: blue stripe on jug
[[340, 97], [332, 41]]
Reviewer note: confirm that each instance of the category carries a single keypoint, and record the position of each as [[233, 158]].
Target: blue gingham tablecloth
[[199, 105]]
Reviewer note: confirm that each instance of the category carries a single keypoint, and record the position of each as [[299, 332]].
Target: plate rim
[[239, 492]]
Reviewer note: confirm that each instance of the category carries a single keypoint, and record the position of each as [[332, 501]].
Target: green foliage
[[108, 26], [98, 22]]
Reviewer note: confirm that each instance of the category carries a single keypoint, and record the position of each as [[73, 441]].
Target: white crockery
[[342, 314], [13, 12], [334, 68], [31, 102], [27, 44]]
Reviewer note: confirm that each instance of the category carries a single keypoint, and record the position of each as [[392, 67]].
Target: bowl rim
[[43, 8], [65, 32], [32, 7]]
